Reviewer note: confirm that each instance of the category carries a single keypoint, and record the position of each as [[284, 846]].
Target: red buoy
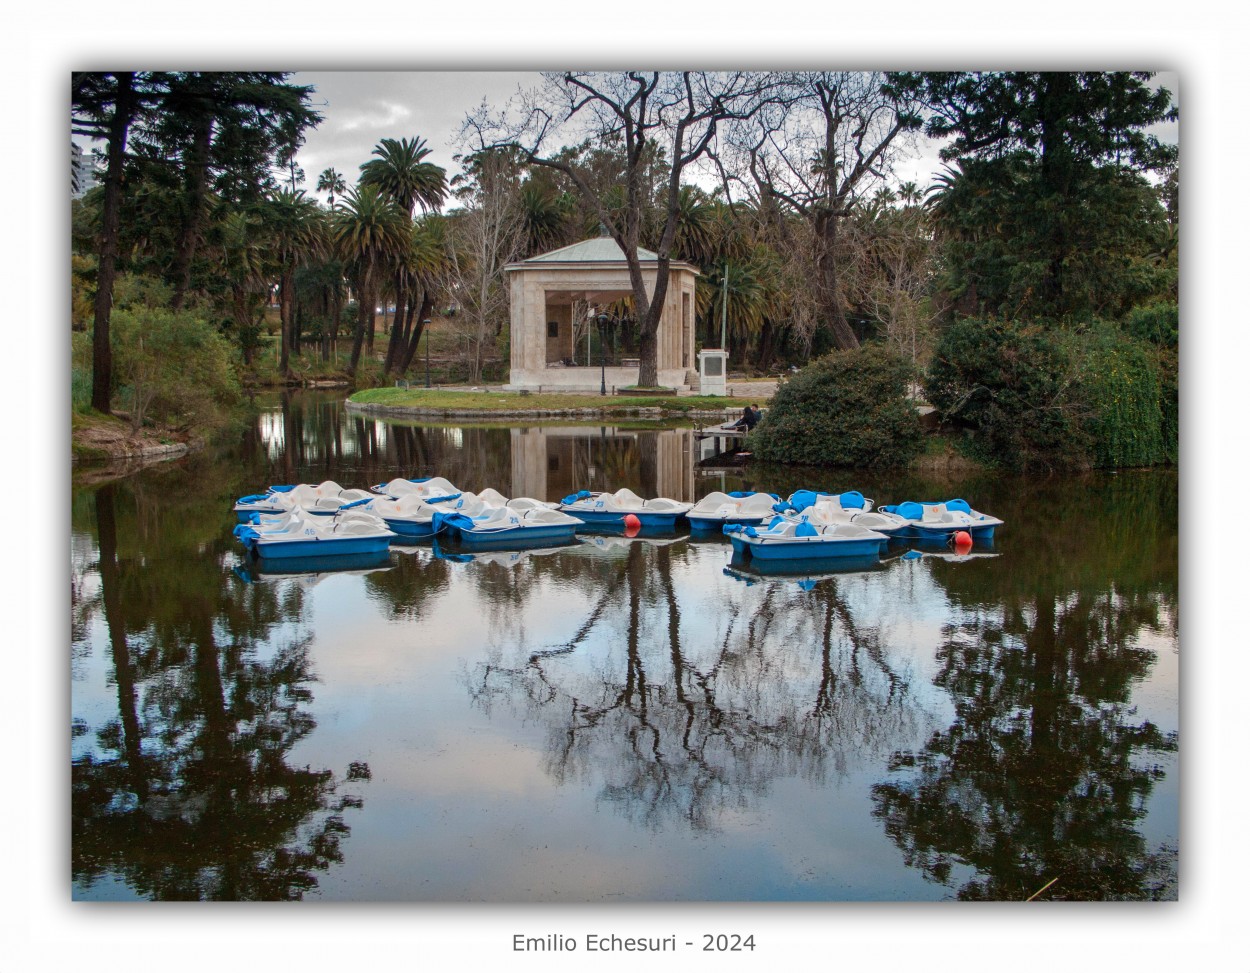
[[632, 525], [963, 541]]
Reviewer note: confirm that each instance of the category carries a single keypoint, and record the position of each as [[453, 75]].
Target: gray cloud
[[361, 108]]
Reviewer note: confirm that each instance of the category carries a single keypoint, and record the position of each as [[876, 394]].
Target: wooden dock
[[719, 432]]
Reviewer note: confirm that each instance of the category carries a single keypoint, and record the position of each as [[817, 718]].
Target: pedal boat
[[318, 499], [299, 535], [718, 509], [523, 522], [939, 521], [790, 540], [611, 509]]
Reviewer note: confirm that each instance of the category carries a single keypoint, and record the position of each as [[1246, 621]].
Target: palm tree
[[297, 227], [243, 266], [401, 174], [428, 263], [547, 215], [368, 230], [332, 183], [742, 289], [697, 227]]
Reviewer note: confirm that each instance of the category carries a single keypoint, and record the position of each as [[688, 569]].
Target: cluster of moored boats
[[307, 520]]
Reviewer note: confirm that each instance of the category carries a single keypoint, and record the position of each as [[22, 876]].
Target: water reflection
[[185, 789], [969, 726], [1047, 771], [301, 443], [682, 713]]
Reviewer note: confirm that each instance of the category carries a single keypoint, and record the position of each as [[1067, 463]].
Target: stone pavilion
[[554, 299]]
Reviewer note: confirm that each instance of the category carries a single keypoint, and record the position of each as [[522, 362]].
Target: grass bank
[[455, 402]]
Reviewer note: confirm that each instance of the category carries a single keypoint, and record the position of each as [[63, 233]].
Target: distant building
[[82, 177]]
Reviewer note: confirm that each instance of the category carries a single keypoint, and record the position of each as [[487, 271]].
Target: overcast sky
[[361, 108]]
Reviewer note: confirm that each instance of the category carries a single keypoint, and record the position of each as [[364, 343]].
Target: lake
[[626, 719]]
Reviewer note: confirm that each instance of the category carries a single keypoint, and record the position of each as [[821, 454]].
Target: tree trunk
[[336, 314], [123, 667], [101, 344], [826, 226], [414, 340], [767, 349], [648, 372], [285, 289], [1057, 174], [364, 318], [242, 320], [197, 184], [400, 326]]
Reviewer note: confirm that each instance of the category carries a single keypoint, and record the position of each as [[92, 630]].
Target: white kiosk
[[713, 363]]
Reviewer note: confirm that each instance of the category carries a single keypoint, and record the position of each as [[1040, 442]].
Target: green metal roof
[[601, 249]]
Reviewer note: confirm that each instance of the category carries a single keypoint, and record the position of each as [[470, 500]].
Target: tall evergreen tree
[[224, 132], [105, 105], [1055, 162]]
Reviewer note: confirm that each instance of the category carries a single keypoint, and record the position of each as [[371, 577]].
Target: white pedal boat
[[413, 516], [319, 499], [929, 521], [425, 488], [611, 509], [718, 509], [302, 536], [853, 508], [522, 522], [790, 540]]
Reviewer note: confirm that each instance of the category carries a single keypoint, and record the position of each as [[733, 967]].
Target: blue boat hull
[[983, 535], [545, 535], [406, 528], [804, 551], [709, 525], [595, 518], [313, 547], [320, 564]]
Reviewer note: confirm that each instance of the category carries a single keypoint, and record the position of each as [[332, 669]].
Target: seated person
[[750, 416]]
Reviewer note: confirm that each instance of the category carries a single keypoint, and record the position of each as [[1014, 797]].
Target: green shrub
[[1044, 398], [1015, 386], [1169, 402], [1157, 323], [849, 408], [80, 370], [172, 367], [1119, 378]]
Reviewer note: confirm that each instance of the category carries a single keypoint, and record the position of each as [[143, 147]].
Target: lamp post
[[425, 326], [603, 382]]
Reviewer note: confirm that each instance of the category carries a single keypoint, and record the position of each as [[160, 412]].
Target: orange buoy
[[963, 541], [632, 525]]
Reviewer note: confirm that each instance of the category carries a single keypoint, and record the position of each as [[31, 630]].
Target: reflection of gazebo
[[551, 346]]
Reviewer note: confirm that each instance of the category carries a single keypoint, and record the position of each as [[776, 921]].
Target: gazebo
[[556, 298]]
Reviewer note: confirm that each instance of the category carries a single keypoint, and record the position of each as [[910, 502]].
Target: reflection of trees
[[682, 728], [187, 793], [407, 588], [322, 440], [1046, 773]]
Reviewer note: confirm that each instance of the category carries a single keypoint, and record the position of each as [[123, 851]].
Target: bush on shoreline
[[849, 408], [1039, 399]]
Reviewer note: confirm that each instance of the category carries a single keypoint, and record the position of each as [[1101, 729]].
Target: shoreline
[[449, 412]]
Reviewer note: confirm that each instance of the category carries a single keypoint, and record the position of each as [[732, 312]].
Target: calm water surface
[[623, 720]]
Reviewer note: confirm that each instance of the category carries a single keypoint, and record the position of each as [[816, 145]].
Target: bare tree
[[488, 234], [680, 111], [825, 140], [891, 273]]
